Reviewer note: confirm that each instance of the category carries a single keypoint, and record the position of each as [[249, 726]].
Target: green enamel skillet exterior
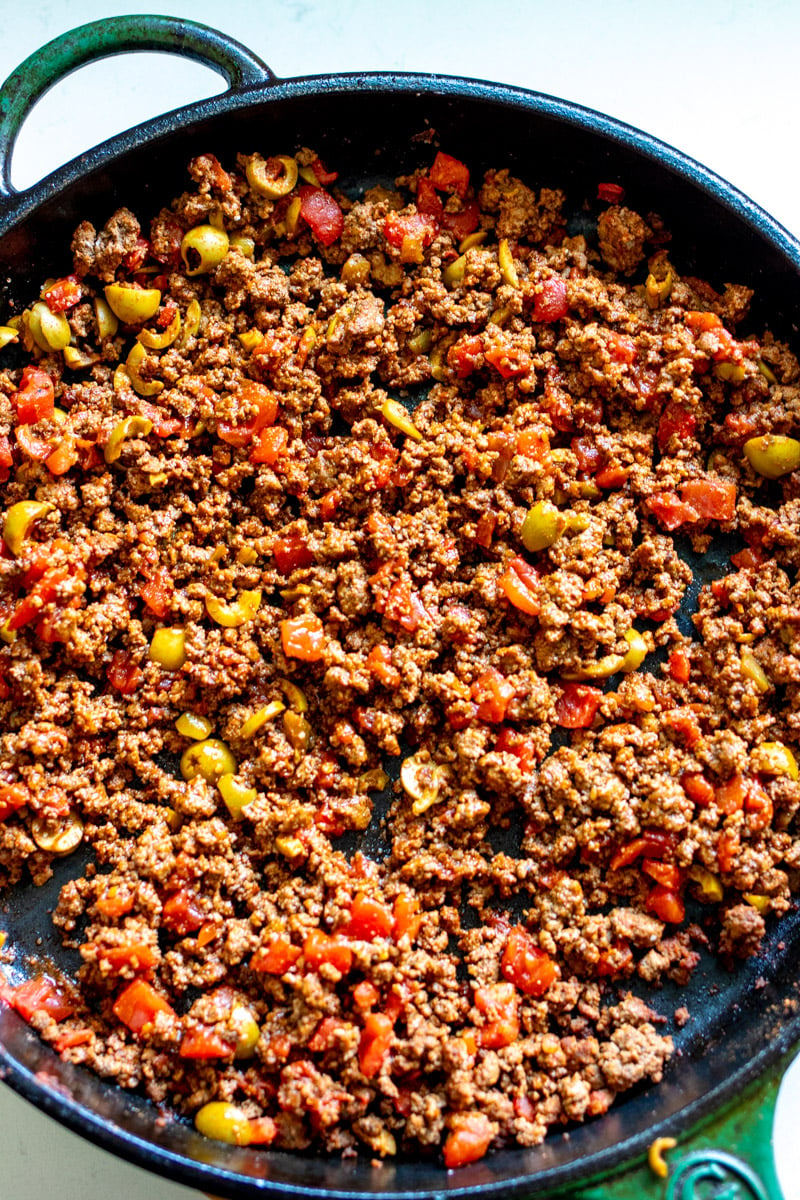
[[717, 1099]]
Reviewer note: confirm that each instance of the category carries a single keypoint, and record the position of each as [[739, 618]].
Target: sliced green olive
[[394, 412], [708, 883], [472, 239], [132, 305], [224, 1122], [250, 339], [271, 177], [245, 245], [543, 526], [127, 427], [53, 328], [637, 652], [19, 520], [356, 270], [260, 717], [657, 291], [58, 835], [8, 335], [506, 263], [237, 795], [455, 271], [192, 322], [753, 670], [773, 455], [193, 725], [168, 648], [422, 781], [246, 1027], [731, 372], [767, 371], [160, 341], [210, 758], [107, 321], [298, 731], [203, 248], [133, 366], [79, 360], [238, 613], [295, 695], [421, 342], [773, 758]]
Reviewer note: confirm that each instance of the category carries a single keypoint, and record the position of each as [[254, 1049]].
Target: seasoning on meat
[[304, 494]]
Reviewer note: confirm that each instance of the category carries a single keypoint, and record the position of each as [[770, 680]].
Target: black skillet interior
[[372, 128]]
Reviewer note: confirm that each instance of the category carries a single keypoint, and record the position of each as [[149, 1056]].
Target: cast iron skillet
[[377, 126]]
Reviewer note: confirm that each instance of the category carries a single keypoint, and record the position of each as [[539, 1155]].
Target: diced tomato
[[138, 1005], [329, 503], [409, 233], [523, 749], [504, 445], [701, 322], [667, 874], [71, 1038], [12, 797], [63, 458], [136, 256], [525, 965], [369, 919], [405, 606], [365, 994], [533, 444], [40, 595], [679, 666], [712, 499], [136, 955], [6, 458], [269, 446], [464, 222], [114, 903], [276, 958], [376, 1040], [612, 193], [322, 214], [427, 200], [509, 361], [748, 559], [35, 397], [157, 592], [466, 355], [263, 1131], [203, 1043], [123, 674], [520, 584], [470, 1137], [676, 421], [320, 947], [251, 395], [448, 174], [524, 1108], [730, 795], [291, 553], [621, 347], [758, 807], [182, 912], [612, 477], [577, 706], [589, 455], [683, 723], [550, 301], [303, 637], [614, 961], [499, 1002], [406, 917], [325, 1035], [651, 844], [40, 995], [492, 693], [379, 663], [63, 294], [670, 511], [727, 849], [35, 447], [666, 904], [698, 788]]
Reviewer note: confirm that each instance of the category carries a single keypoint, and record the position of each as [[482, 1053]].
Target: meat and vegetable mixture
[[325, 515]]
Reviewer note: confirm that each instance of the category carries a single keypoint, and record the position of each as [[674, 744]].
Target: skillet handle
[[116, 35]]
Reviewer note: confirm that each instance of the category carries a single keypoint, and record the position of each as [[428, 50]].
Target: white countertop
[[717, 78]]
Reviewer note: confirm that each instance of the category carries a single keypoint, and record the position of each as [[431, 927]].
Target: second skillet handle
[[116, 35]]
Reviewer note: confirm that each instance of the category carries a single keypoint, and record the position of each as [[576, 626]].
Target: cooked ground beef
[[331, 501]]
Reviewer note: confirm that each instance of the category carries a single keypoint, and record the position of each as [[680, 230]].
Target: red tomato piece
[[683, 723], [136, 256], [123, 674], [730, 795], [320, 947], [727, 849], [42, 594], [63, 294], [410, 233], [652, 844], [520, 584], [550, 302], [276, 958], [157, 593], [466, 355], [40, 995], [499, 1003], [508, 361], [322, 214], [679, 666], [614, 961], [375, 1043], [138, 1005], [671, 511], [303, 637], [291, 553], [667, 874], [525, 965], [676, 421], [379, 663], [461, 224], [182, 912], [203, 1043], [63, 458], [698, 788], [406, 917], [492, 693], [365, 994], [577, 706], [329, 503], [589, 455], [35, 397], [114, 903], [427, 200], [136, 955], [666, 904], [612, 477], [523, 749], [612, 193], [758, 807], [70, 1038], [269, 446], [448, 174], [470, 1137], [621, 347], [404, 605], [255, 395], [701, 322], [369, 919], [12, 797], [712, 499], [748, 559], [533, 444]]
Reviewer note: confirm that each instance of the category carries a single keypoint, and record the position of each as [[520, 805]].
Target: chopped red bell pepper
[[369, 919], [679, 666], [525, 965], [730, 795], [758, 807], [123, 674], [520, 584], [40, 995], [138, 1005], [35, 397], [406, 917], [492, 693], [698, 788], [379, 664], [269, 446], [651, 844], [550, 301], [612, 193], [375, 1043], [158, 592], [666, 904], [499, 1002], [277, 957], [577, 706], [320, 948]]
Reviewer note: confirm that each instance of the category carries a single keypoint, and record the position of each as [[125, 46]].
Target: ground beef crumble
[[340, 513]]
